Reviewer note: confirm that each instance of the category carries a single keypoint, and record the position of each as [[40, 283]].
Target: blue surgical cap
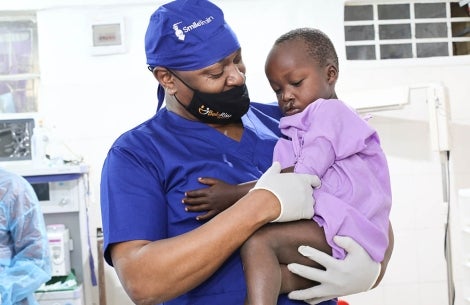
[[188, 35]]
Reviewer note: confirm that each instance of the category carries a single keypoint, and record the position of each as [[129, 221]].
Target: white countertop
[[28, 168]]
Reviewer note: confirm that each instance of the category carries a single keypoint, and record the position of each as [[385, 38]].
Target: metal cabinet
[[63, 194]]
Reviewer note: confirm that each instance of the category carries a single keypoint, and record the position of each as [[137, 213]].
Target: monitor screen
[[15, 139]]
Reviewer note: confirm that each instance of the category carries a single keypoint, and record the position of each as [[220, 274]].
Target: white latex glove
[[356, 273], [294, 191]]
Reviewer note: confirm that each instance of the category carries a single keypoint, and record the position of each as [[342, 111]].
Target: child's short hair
[[319, 45]]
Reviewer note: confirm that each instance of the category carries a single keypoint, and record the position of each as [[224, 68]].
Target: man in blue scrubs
[[209, 128]]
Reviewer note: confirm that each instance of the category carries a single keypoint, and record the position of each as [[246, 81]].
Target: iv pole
[[439, 127], [439, 131]]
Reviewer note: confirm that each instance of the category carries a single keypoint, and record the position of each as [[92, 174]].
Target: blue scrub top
[[149, 168]]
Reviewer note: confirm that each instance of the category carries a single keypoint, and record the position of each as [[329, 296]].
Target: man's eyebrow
[[222, 61], [216, 65]]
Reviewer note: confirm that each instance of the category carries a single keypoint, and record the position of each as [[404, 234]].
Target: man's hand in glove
[[294, 192], [356, 273]]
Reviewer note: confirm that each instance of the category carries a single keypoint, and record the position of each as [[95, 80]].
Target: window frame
[[412, 21], [34, 75]]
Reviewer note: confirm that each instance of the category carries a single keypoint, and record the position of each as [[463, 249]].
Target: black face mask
[[218, 108]]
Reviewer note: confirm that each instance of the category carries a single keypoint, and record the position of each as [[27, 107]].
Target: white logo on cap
[[178, 32], [196, 24]]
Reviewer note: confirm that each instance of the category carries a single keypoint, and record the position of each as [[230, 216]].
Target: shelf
[[27, 169]]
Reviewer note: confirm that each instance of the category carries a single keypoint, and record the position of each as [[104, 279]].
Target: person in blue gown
[[25, 262]]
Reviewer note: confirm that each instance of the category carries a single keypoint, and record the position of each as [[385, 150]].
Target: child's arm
[[215, 198], [218, 196]]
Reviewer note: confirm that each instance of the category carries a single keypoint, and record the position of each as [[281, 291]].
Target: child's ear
[[332, 72]]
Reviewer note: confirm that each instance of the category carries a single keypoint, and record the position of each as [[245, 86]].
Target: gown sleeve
[[25, 262], [335, 132]]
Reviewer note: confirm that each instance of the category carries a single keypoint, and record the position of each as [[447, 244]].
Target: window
[[19, 73], [406, 30]]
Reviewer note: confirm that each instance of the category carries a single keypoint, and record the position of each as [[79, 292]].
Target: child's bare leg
[[261, 267], [265, 254]]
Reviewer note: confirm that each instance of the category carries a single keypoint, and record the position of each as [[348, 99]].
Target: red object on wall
[[342, 302]]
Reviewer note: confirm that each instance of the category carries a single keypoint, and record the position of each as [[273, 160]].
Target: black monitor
[[15, 139]]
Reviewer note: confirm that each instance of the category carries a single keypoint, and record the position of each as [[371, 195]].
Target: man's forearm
[[153, 272]]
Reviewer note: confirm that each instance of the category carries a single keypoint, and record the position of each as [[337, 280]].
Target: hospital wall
[[91, 99]]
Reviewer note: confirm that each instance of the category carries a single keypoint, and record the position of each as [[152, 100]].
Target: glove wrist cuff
[[271, 191]]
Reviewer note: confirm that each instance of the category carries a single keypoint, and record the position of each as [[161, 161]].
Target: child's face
[[296, 78]]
